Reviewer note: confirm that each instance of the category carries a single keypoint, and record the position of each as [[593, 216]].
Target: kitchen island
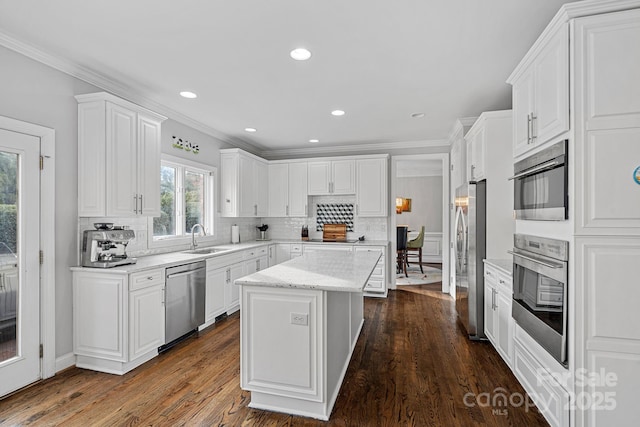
[[300, 321]]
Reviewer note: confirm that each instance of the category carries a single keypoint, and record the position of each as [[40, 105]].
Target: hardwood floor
[[412, 366]]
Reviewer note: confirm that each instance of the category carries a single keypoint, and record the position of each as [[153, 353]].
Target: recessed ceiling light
[[337, 113], [300, 54], [187, 94], [314, 140], [417, 115], [250, 129]]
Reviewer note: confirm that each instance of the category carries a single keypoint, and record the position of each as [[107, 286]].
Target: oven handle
[[546, 264], [540, 168]]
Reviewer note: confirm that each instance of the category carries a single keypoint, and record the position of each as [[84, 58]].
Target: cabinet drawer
[[505, 283], [144, 279], [375, 286], [296, 248], [256, 252], [378, 271]]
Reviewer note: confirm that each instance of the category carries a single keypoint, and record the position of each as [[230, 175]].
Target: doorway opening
[[420, 198]]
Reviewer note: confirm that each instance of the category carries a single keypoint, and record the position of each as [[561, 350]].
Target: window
[[186, 199]]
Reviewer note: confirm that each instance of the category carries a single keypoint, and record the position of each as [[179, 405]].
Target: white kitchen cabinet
[[310, 248], [118, 319], [498, 323], [146, 312], [244, 185], [476, 153], [232, 292], [541, 93], [215, 303], [118, 157], [288, 189], [331, 177], [377, 284], [372, 196]]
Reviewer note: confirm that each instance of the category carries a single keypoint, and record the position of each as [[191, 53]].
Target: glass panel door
[[19, 260]]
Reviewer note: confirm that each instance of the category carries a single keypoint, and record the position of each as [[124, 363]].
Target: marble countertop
[[504, 265], [344, 272], [170, 259]]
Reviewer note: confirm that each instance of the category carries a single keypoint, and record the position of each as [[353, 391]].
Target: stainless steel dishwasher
[[184, 301]]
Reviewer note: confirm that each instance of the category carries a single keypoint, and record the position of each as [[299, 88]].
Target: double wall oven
[[540, 274]]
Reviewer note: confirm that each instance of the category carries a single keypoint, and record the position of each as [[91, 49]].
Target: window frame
[[210, 193]]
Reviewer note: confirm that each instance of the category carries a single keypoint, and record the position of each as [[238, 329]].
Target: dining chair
[[415, 245], [401, 249]]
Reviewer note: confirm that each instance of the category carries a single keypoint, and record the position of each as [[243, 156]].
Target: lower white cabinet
[[232, 292], [498, 323], [118, 319], [377, 284], [215, 302]]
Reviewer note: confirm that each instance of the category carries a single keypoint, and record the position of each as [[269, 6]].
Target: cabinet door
[[148, 166], [235, 272], [372, 194], [279, 190], [478, 155], [146, 320], [551, 115], [121, 161], [283, 252], [247, 204], [319, 175], [343, 177], [505, 327], [261, 188], [298, 190], [91, 147], [229, 185], [262, 263], [489, 314], [215, 303], [522, 96]]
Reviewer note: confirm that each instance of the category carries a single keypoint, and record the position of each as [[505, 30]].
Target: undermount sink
[[203, 251]]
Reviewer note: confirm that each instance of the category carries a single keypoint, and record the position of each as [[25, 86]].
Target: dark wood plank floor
[[412, 366]]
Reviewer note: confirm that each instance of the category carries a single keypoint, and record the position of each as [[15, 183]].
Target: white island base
[[297, 335]]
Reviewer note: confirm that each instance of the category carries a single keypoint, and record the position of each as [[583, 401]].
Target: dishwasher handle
[[185, 273]]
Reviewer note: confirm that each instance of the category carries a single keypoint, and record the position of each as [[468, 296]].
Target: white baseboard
[[65, 361]]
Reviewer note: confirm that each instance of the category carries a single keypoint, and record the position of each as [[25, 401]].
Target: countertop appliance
[[470, 248], [184, 301], [540, 185], [540, 273], [106, 248]]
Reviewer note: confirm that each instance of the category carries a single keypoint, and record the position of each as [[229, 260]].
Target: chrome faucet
[[194, 244]]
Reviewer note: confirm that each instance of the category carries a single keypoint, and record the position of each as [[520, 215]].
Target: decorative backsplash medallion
[[334, 213]]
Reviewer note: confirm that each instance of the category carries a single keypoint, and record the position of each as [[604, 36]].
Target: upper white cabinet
[[332, 177], [288, 189], [372, 194], [541, 93], [244, 184], [475, 153], [118, 157]]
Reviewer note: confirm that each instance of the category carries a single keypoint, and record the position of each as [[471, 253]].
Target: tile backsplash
[[279, 228]]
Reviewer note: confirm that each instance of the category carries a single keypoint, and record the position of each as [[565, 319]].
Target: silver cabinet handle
[[287, 211], [495, 300], [529, 128], [141, 205], [533, 134], [135, 201], [258, 265], [357, 209], [537, 261]]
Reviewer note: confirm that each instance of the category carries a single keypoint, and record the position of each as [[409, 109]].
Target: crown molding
[[459, 127], [567, 12], [119, 89], [352, 148]]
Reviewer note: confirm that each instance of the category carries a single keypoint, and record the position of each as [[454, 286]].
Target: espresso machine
[[106, 248]]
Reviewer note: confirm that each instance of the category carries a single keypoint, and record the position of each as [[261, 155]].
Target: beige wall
[[425, 193]]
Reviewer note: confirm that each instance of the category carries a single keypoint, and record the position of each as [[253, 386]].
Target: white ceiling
[[379, 60]]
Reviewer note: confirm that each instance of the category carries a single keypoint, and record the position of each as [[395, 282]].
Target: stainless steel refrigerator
[[470, 226]]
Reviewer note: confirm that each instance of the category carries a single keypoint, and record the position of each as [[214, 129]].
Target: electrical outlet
[[299, 319]]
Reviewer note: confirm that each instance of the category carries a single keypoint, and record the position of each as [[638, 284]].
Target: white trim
[[65, 361], [446, 262], [47, 238], [334, 150]]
